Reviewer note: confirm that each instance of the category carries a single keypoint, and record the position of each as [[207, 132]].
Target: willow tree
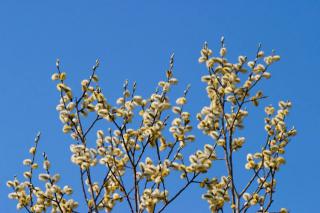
[[142, 145]]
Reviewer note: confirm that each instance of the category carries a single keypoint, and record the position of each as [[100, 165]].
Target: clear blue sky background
[[134, 39]]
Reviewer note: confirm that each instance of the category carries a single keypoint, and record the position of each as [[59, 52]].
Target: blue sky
[[134, 40]]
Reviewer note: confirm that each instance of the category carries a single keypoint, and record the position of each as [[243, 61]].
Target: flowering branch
[[138, 155]]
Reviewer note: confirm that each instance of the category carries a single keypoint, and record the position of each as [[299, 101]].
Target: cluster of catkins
[[142, 147]]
